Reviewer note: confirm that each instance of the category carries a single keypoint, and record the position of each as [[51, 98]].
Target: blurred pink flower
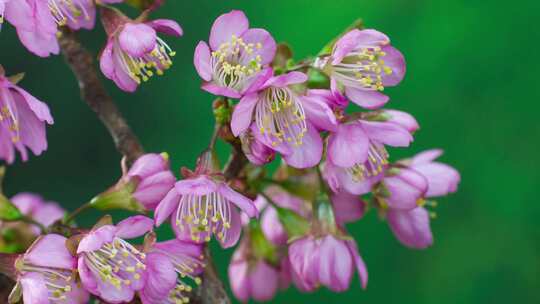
[[34, 206]]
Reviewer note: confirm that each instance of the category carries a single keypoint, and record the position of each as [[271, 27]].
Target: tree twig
[[94, 94]]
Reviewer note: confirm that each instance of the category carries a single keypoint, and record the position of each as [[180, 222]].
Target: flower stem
[[76, 212]]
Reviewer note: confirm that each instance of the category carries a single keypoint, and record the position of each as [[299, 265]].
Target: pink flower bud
[[327, 261]]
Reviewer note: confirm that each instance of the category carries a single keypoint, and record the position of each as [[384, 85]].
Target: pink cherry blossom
[[22, 121], [362, 63], [134, 51], [357, 153], [237, 58], [170, 267], [46, 273], [202, 206], [110, 267], [285, 121]]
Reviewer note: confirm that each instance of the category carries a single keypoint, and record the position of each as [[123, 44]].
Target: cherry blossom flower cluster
[[322, 116]]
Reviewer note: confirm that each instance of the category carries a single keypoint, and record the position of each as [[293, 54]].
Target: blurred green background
[[472, 82]]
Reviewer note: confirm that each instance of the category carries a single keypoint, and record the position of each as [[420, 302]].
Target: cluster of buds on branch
[[289, 224]]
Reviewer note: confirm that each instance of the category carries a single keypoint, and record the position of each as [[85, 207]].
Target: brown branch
[[94, 94]]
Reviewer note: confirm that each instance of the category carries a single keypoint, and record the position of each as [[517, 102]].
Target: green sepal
[[223, 114], [317, 79], [295, 225], [260, 246], [118, 197], [8, 211]]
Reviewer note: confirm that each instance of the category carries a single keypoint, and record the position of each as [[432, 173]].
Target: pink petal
[[426, 156], [96, 238], [134, 226], [442, 179], [319, 113], [286, 80], [345, 45], [365, 98], [154, 188], [166, 207], [39, 43], [405, 189], [147, 165], [238, 278], [39, 108], [227, 25], [50, 251], [201, 185], [242, 202], [166, 26], [137, 39], [268, 46], [106, 63], [202, 61], [34, 288], [387, 133], [394, 60], [87, 278], [359, 263], [179, 249], [243, 113], [411, 227], [348, 146], [347, 207], [309, 153], [233, 233], [336, 264], [371, 37], [161, 278], [403, 119], [263, 281], [272, 228], [220, 91]]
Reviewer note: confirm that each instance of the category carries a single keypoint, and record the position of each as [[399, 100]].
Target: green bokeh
[[472, 82]]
